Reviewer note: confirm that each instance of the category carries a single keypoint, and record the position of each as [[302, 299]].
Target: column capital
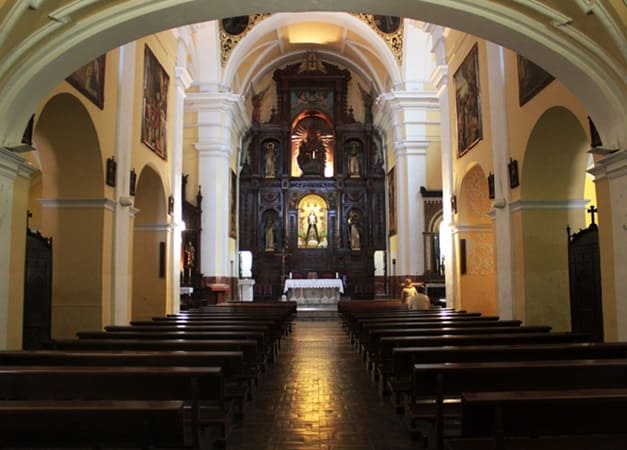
[[440, 77], [13, 165], [612, 166], [183, 77]]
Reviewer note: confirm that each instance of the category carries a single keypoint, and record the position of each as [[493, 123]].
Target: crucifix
[[592, 210], [283, 254]]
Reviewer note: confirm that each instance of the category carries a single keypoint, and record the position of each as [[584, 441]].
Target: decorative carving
[[481, 254], [394, 39], [228, 41]]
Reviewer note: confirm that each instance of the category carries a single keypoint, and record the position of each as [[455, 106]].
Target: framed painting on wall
[[392, 201], [468, 103], [89, 80], [531, 79], [233, 206], [155, 106]]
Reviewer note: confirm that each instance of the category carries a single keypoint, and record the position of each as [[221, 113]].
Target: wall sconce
[[112, 169], [513, 173], [132, 183], [491, 193]]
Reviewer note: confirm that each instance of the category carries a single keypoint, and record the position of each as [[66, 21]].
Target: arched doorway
[[475, 242], [150, 244], [553, 184], [73, 212]]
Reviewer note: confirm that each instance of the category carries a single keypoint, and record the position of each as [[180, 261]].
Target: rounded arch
[[250, 44], [71, 160], [555, 158], [475, 244], [312, 221], [587, 67], [150, 244], [553, 184]]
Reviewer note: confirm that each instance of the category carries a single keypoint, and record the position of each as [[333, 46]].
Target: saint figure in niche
[[269, 235], [353, 228], [312, 228], [312, 154], [270, 160], [353, 160]]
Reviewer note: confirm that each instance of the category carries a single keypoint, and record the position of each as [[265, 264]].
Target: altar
[[318, 291]]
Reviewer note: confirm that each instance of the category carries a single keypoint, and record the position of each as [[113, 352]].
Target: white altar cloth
[[314, 291]]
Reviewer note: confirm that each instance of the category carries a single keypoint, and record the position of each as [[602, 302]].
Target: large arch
[[74, 213], [553, 182], [40, 52], [150, 244], [475, 242]]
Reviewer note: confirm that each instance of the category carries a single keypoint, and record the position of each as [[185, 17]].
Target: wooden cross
[[592, 210], [283, 254]]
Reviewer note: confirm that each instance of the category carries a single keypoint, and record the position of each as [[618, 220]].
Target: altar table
[[314, 291]]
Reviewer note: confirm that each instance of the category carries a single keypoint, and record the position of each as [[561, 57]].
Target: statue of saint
[[353, 231], [269, 234], [312, 154], [312, 227], [353, 160], [270, 160], [189, 260]]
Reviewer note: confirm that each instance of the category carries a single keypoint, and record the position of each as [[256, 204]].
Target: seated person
[[420, 300], [407, 291]]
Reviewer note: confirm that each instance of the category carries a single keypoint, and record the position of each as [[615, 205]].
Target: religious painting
[[318, 99], [387, 24], [89, 80], [468, 103], [392, 201], [531, 79], [512, 168], [155, 107], [235, 25], [312, 222], [233, 206], [313, 146]]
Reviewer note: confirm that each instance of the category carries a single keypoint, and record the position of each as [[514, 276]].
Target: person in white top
[[420, 300]]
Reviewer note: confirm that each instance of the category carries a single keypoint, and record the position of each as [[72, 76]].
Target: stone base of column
[[221, 288]]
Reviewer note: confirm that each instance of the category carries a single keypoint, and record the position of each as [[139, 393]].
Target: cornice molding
[[154, 227], [480, 228], [12, 165], [610, 167], [523, 205], [78, 203]]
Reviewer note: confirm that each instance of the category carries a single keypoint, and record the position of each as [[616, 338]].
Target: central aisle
[[318, 396]]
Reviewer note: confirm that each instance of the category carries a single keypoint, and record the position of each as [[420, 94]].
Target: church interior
[[284, 173]]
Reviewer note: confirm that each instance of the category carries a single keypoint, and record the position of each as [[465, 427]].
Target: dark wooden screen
[[37, 290], [585, 282]]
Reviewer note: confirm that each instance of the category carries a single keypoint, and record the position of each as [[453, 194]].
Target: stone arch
[[150, 246], [74, 212]]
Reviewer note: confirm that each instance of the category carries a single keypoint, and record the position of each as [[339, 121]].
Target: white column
[[12, 166], [406, 113], [504, 253], [613, 170], [182, 82], [221, 122], [440, 80], [121, 270]]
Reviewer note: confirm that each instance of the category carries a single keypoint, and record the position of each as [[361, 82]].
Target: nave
[[318, 396]]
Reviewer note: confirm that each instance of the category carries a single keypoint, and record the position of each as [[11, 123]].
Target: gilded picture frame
[[468, 102], [155, 105]]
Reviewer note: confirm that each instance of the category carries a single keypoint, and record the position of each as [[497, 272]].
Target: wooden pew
[[440, 381], [249, 348], [263, 346], [200, 388], [376, 337], [237, 379], [564, 412], [398, 371], [271, 339]]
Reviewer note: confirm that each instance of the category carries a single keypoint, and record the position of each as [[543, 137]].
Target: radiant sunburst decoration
[[312, 149], [233, 29], [390, 28]]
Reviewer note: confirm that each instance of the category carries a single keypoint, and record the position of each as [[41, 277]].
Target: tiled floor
[[318, 396]]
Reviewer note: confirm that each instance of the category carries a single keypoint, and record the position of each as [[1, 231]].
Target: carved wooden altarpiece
[[314, 175]]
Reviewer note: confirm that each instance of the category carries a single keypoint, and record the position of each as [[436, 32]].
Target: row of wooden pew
[[175, 381], [464, 381]]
